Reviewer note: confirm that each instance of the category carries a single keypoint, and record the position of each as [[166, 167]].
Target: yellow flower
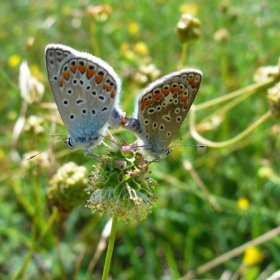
[[133, 27], [14, 60], [141, 48], [66, 11], [189, 8], [252, 256], [243, 203], [1, 153]]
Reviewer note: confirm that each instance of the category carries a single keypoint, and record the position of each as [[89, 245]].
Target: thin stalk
[[110, 249], [232, 254], [247, 90], [184, 54], [212, 144]]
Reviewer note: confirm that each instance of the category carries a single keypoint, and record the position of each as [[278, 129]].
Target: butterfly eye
[[168, 151], [68, 142]]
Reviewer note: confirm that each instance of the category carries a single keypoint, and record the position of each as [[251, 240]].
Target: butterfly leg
[[111, 139], [106, 145], [157, 159], [89, 154]]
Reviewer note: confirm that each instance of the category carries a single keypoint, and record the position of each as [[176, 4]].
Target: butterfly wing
[[163, 106], [85, 89]]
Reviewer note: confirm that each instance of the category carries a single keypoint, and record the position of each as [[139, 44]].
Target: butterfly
[[86, 90], [161, 109]]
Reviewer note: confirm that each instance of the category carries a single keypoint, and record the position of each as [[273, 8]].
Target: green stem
[[232, 254], [251, 89], [110, 249], [184, 54], [8, 80], [212, 144]]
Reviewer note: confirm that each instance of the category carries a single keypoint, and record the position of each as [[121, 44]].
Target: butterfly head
[[153, 149], [83, 142]]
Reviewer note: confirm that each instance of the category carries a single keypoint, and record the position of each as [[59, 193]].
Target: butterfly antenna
[[51, 145], [189, 145], [56, 135]]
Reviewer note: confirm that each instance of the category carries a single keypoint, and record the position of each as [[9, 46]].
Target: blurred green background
[[187, 228]]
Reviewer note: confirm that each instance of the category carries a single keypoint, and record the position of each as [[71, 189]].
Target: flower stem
[[184, 54], [110, 249]]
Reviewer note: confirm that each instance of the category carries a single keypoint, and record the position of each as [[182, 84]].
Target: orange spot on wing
[[90, 73], [66, 75], [146, 103], [113, 93], [165, 92], [99, 79], [180, 91], [184, 98], [173, 89], [195, 84], [186, 105], [157, 96], [73, 68], [108, 87], [82, 68], [60, 83]]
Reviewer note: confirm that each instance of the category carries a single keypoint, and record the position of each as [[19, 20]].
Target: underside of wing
[[164, 104], [85, 88]]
